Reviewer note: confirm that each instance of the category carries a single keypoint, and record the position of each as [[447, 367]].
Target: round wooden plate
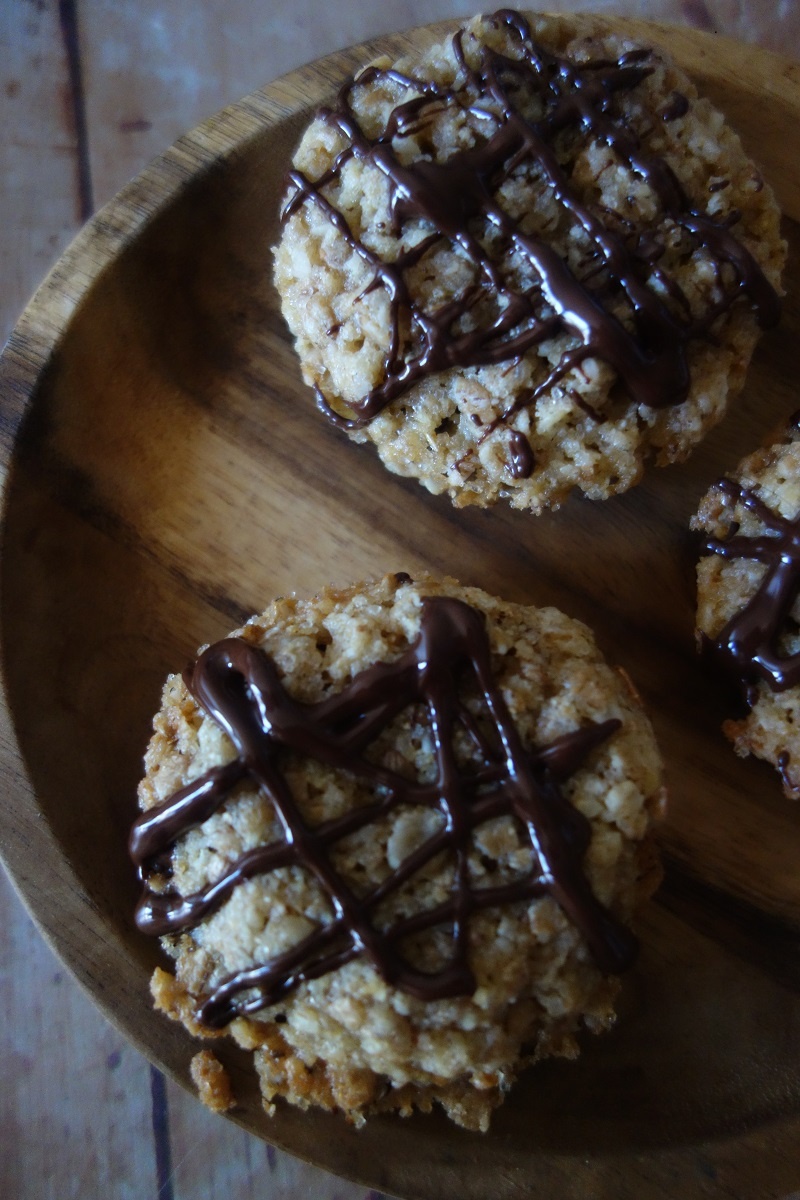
[[167, 474]]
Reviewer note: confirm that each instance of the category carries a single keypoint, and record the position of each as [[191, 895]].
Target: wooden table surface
[[90, 90]]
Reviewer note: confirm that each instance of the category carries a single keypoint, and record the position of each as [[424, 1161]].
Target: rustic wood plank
[[39, 194], [60, 1137], [215, 1160], [75, 1103], [153, 70]]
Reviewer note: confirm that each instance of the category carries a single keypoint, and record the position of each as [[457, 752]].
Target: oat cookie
[[526, 262], [748, 610], [393, 839]]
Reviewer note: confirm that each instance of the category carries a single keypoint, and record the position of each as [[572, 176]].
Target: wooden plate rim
[[30, 349]]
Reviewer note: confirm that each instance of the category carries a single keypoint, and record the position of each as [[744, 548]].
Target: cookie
[[748, 610], [393, 839], [526, 262]]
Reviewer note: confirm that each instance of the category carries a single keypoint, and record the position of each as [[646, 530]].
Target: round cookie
[[748, 608], [527, 262], [393, 838]]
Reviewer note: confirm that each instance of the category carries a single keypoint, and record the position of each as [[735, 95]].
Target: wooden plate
[[166, 475]]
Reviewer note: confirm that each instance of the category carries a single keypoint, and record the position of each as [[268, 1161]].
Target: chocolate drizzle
[[676, 107], [784, 763], [522, 458], [748, 644], [457, 202], [238, 687]]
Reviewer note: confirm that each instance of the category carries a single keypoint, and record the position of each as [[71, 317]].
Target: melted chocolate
[[784, 762], [457, 200], [522, 458], [748, 645], [238, 687], [677, 106]]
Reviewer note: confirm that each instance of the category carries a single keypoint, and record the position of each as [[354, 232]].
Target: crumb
[[212, 1082]]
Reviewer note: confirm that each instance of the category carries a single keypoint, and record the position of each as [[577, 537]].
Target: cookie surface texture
[[748, 609], [526, 262], [415, 874]]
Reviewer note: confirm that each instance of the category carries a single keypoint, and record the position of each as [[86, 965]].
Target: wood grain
[[39, 194], [48, 1115], [158, 399]]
